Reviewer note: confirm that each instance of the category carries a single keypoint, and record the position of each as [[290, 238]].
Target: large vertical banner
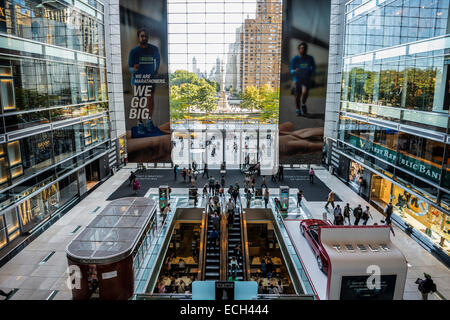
[[144, 49], [303, 80]]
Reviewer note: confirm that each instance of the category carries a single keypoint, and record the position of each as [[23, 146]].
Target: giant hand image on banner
[[303, 80], [143, 30]]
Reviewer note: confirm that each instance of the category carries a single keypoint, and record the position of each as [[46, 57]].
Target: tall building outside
[[387, 120], [261, 46], [57, 138]]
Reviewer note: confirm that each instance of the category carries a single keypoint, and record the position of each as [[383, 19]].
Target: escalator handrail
[[203, 242], [244, 244], [223, 244]]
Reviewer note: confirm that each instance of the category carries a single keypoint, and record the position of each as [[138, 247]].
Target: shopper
[[263, 268], [266, 197], [347, 213], [205, 190], [280, 173], [222, 181], [195, 195], [212, 182], [216, 187], [339, 220], [165, 212], [426, 286], [131, 178], [357, 212], [388, 212], [235, 194], [215, 219], [136, 186], [230, 219], [233, 267], [311, 175], [336, 212], [175, 171], [330, 200], [248, 196], [277, 204], [213, 235], [299, 198], [264, 183], [184, 173], [229, 207], [366, 215], [205, 171], [238, 250]]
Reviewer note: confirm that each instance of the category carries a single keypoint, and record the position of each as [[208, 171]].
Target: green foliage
[[188, 90], [264, 99]]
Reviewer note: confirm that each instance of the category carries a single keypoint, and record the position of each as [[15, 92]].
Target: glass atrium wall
[[224, 65]]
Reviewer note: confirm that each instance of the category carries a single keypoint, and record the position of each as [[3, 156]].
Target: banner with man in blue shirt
[[145, 79], [302, 68]]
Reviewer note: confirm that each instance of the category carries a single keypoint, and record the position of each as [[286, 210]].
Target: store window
[[422, 217], [3, 238], [355, 176], [380, 191], [39, 207], [4, 168]]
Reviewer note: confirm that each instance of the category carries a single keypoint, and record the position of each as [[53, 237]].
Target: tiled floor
[[37, 281]]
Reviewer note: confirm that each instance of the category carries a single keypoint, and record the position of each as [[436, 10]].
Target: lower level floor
[[39, 271]]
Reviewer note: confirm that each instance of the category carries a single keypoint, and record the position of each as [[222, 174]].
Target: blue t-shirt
[[148, 59], [306, 66]]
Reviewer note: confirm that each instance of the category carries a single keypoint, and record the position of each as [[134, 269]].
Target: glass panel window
[[7, 94], [12, 223]]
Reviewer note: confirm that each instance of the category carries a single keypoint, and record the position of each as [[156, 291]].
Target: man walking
[[299, 198], [426, 286], [347, 213], [357, 212], [336, 212], [330, 200], [184, 173], [311, 175], [175, 170], [388, 212], [249, 198], [205, 171], [211, 184], [131, 178], [366, 215], [229, 207]]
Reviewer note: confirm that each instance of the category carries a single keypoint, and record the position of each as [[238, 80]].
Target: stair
[[234, 237], [212, 263]]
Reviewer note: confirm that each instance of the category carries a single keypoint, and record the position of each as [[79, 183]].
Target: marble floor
[[34, 279]]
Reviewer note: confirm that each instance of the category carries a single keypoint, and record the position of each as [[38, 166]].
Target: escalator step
[[212, 267], [212, 260], [212, 254]]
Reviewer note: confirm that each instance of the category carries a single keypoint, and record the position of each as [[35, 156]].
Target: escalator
[[212, 257], [235, 238]]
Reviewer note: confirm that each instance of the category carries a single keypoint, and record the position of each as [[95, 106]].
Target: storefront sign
[[2, 16], [416, 166]]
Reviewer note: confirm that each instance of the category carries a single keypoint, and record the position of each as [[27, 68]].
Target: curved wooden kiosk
[[102, 255]]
